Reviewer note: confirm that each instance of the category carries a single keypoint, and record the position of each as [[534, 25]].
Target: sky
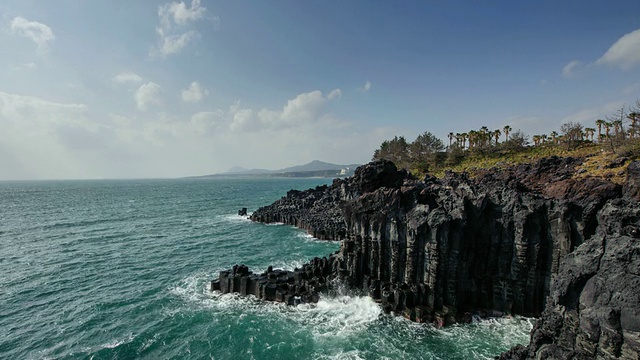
[[154, 89]]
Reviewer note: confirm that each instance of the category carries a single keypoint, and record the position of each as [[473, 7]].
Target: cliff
[[528, 240]]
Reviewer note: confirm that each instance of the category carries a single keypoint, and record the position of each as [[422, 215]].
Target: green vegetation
[[617, 135]]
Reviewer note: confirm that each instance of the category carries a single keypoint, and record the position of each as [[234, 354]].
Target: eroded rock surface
[[528, 240]]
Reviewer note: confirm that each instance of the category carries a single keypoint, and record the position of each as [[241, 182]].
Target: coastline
[[439, 250]]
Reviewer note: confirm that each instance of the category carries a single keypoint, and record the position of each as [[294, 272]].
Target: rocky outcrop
[[289, 287], [318, 210], [460, 245], [593, 310], [528, 240]]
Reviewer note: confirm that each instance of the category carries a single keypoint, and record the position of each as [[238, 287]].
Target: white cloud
[[569, 69], [304, 107], [302, 111], [179, 13], [175, 14], [624, 53], [127, 77], [336, 93], [366, 87], [194, 93], [39, 33], [148, 94], [173, 44]]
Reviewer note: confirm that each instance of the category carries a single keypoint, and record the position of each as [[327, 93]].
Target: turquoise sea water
[[120, 270]]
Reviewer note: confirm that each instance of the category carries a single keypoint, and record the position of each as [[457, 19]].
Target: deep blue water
[[120, 270]]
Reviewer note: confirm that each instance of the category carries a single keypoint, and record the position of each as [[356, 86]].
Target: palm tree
[[473, 136], [617, 127], [589, 132], [484, 135], [554, 136], [496, 134], [633, 116], [600, 123], [607, 127], [506, 129], [536, 140], [450, 138]]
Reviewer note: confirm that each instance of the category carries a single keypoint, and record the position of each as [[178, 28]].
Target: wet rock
[[291, 287], [528, 239]]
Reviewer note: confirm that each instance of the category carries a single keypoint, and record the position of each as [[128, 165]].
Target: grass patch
[[598, 159]]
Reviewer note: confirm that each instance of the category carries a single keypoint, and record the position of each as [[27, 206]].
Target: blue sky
[[133, 89]]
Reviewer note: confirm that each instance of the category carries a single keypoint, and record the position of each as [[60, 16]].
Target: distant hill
[[316, 168], [315, 165], [243, 171]]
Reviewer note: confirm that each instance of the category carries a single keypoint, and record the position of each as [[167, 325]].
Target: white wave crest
[[116, 343], [339, 316], [235, 218]]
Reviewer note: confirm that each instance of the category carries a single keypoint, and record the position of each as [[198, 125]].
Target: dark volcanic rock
[[594, 307], [462, 245], [632, 185], [317, 210], [528, 240], [290, 287]]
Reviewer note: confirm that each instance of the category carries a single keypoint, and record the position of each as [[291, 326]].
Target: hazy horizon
[[169, 89]]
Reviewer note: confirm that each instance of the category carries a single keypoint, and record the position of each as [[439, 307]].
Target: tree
[[496, 134], [572, 131], [450, 138], [589, 132], [395, 150], [607, 128], [517, 141], [484, 136], [617, 128], [554, 137], [600, 124], [536, 140], [506, 129], [424, 149], [633, 117]]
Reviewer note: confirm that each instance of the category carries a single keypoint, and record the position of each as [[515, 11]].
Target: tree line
[[427, 152]]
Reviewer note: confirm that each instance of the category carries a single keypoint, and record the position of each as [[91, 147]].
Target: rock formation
[[593, 310], [528, 240]]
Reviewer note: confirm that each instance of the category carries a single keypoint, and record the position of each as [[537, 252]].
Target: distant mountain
[[243, 171], [315, 165], [236, 169], [316, 168]]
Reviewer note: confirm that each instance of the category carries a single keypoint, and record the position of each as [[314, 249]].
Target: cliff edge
[[530, 240]]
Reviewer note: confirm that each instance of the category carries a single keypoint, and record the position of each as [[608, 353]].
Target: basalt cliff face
[[528, 240]]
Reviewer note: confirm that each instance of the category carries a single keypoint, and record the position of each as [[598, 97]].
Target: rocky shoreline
[[529, 240]]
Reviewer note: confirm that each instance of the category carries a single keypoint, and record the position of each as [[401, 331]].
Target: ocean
[[120, 269]]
